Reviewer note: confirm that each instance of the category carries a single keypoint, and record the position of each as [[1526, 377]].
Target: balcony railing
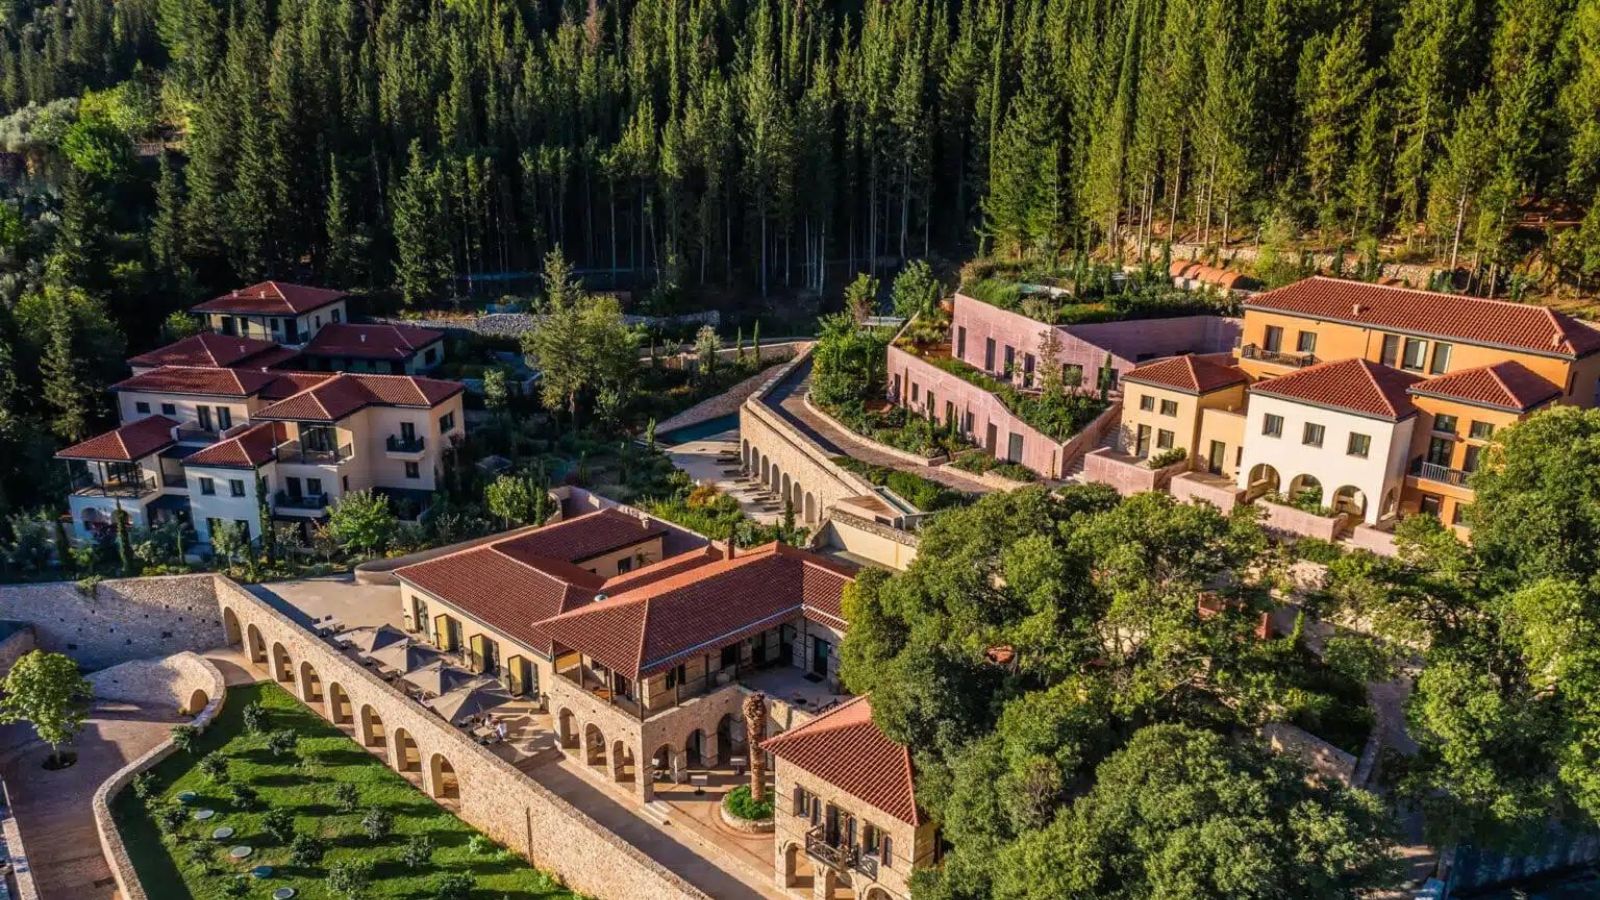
[[1443, 474], [659, 701], [583, 678], [114, 487], [400, 444], [295, 452], [840, 857], [1277, 357], [285, 500], [192, 432]]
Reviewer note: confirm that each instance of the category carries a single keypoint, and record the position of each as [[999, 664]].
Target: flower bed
[[984, 464], [895, 427]]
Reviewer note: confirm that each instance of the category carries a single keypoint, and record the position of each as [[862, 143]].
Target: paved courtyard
[[313, 600]]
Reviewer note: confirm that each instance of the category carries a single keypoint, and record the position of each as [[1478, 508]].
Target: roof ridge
[[818, 724]]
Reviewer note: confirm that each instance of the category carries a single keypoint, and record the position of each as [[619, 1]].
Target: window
[[1458, 515], [313, 486], [961, 342], [335, 315], [1169, 407], [1441, 359], [799, 805], [1011, 359], [431, 356], [675, 677], [1306, 342], [1444, 424], [1312, 436], [1014, 448], [1360, 445], [625, 564], [916, 392], [208, 487], [1147, 403], [886, 850], [1429, 505], [1480, 431], [1272, 426], [730, 656], [447, 422], [413, 470], [1163, 439], [204, 414], [869, 839], [142, 408], [1273, 340], [988, 354], [224, 418], [1027, 369], [344, 482], [1141, 446], [236, 487], [1391, 350], [1440, 450], [169, 409], [1470, 459], [1415, 353]]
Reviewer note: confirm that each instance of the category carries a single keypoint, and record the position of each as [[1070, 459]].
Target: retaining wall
[[172, 680], [18, 639], [125, 619], [1127, 474], [1321, 756]]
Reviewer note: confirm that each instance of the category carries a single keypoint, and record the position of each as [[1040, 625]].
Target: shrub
[[237, 886], [242, 796], [739, 802], [215, 768], [454, 886], [418, 851], [377, 823], [1167, 458], [142, 786], [255, 718], [346, 797], [279, 825], [1317, 550], [183, 737], [170, 818], [282, 742], [350, 878], [307, 850], [480, 844]]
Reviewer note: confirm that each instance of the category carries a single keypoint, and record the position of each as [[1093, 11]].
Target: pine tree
[[65, 391], [422, 261]]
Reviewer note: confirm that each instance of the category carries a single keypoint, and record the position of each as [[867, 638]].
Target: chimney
[[1355, 309]]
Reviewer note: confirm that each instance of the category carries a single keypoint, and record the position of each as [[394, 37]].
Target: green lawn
[[304, 783]]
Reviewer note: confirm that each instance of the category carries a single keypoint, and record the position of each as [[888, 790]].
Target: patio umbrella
[[404, 657], [474, 700], [368, 638], [439, 677]]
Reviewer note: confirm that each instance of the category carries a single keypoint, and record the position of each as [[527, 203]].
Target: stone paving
[[311, 600]]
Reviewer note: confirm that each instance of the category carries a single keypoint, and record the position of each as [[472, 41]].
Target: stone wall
[[493, 796], [1193, 487], [195, 673], [1323, 757], [16, 639], [15, 853], [125, 619], [891, 547], [172, 681]]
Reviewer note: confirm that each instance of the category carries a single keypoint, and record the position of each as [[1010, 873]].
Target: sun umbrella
[[369, 638], [439, 677], [474, 700], [405, 656]]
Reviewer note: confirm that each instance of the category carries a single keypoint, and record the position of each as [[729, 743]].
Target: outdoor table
[[241, 852], [699, 782], [200, 815], [222, 833], [738, 763]]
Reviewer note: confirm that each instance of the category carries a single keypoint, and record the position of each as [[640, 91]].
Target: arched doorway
[[693, 750], [372, 733], [798, 498], [1305, 490], [783, 489], [257, 649], [282, 666], [730, 738], [764, 470], [567, 729], [663, 764], [338, 704], [1263, 480], [230, 627], [1391, 503], [442, 778], [310, 684], [811, 509], [594, 746], [622, 767], [797, 871], [407, 757], [197, 701], [744, 453], [1351, 501]]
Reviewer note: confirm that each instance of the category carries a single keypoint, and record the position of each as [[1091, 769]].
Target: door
[[408, 433], [204, 414], [291, 486], [820, 651], [1216, 458], [989, 439], [291, 331], [1014, 448], [228, 327], [1440, 450], [1141, 444]]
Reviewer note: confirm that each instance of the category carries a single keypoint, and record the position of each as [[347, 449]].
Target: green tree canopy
[[46, 691]]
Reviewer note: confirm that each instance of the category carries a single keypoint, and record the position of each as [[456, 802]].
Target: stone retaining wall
[[493, 797], [904, 456], [125, 619], [194, 672], [170, 681], [18, 639], [15, 852], [1290, 520], [1323, 757]]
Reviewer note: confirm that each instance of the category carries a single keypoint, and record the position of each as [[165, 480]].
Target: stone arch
[[798, 498], [594, 746], [567, 729], [811, 508], [310, 683], [282, 665], [338, 705], [876, 893], [442, 782], [1305, 484], [765, 467], [665, 761], [197, 701], [256, 649], [623, 769], [783, 489], [1264, 479], [1391, 502], [407, 756], [230, 627], [796, 869], [1350, 499], [730, 737], [694, 750], [372, 731], [744, 453]]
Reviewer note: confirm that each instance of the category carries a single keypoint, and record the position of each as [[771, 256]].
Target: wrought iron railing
[[295, 452], [399, 444], [1278, 357], [838, 857], [1442, 474], [285, 500]]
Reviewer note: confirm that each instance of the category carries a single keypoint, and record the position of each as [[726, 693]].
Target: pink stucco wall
[[1128, 474], [1129, 343], [1295, 521]]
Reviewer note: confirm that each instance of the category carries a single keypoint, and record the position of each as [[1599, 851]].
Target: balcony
[[1277, 357], [592, 683], [192, 433], [656, 703], [839, 858], [309, 503], [1427, 471], [295, 452], [403, 447], [137, 486]]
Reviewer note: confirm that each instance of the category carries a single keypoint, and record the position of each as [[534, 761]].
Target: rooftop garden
[[1057, 410], [923, 493], [982, 463], [1087, 292]]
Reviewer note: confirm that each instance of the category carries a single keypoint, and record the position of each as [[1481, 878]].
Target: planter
[[744, 826]]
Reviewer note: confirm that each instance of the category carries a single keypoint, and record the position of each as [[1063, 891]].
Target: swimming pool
[[701, 430]]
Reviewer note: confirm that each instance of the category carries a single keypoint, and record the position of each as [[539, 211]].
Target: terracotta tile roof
[[391, 342], [581, 538], [505, 594], [1194, 375], [272, 298], [1507, 385], [651, 628], [1494, 323], [1354, 385], [287, 384], [335, 396], [660, 569], [845, 748], [205, 380], [207, 349], [249, 449], [136, 440]]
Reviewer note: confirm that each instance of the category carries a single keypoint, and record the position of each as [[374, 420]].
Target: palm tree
[[755, 726]]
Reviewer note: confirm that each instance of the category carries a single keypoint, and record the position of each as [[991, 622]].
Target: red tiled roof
[[1355, 385], [507, 595], [581, 538], [665, 568], [1507, 385], [207, 349], [272, 298], [205, 380], [653, 627], [136, 440], [391, 342], [336, 396], [249, 449], [847, 750], [1495, 323], [287, 384], [1194, 375]]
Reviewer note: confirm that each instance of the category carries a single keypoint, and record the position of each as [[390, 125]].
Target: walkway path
[[788, 400]]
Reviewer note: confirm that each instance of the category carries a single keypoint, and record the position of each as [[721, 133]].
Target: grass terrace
[[309, 788], [897, 427], [1058, 416], [926, 495], [980, 463], [1087, 293]]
